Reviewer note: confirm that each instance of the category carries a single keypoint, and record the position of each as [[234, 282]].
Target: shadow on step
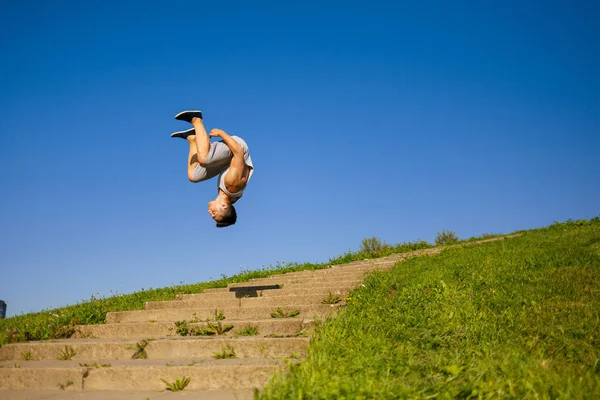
[[251, 291]]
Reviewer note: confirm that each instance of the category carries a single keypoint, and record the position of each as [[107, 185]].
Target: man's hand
[[216, 133]]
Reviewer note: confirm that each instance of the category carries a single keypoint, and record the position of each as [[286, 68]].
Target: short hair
[[229, 217]]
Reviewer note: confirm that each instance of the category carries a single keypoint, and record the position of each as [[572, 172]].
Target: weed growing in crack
[[212, 329], [247, 331], [226, 352], [279, 313], [140, 349], [178, 385], [66, 354], [218, 328], [262, 349], [182, 328], [331, 299]]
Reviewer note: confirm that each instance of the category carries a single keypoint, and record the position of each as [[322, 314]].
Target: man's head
[[222, 212]]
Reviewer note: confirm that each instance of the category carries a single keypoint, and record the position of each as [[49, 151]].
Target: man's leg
[[196, 171], [192, 157], [202, 140], [209, 154]]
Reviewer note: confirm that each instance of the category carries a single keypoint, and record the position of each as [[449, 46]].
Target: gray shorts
[[217, 160]]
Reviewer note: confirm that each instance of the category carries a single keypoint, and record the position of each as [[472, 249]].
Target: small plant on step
[[140, 349], [198, 331], [331, 299], [264, 352], [247, 331], [279, 313], [181, 327], [302, 333], [178, 385], [219, 328], [211, 330], [66, 354], [63, 386], [219, 316], [27, 356], [226, 352]]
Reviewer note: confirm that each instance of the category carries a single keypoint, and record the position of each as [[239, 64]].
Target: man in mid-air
[[229, 158]]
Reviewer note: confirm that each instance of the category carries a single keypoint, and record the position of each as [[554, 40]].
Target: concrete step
[[356, 269], [317, 274], [176, 347], [365, 265], [141, 330], [204, 374], [270, 301], [289, 291], [307, 281], [231, 313], [254, 290]]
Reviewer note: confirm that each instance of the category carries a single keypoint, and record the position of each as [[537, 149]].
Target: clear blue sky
[[363, 119]]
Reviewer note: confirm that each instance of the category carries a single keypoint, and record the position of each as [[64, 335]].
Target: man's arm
[[234, 146], [237, 165]]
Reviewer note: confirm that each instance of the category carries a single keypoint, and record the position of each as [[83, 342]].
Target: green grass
[[62, 322], [511, 319]]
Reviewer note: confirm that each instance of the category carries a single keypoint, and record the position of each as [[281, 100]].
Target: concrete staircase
[[131, 355], [136, 352]]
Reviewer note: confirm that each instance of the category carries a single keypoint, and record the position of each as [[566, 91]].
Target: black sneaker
[[188, 115], [184, 134]]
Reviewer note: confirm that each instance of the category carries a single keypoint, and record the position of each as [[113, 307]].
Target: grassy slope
[[517, 318], [62, 322]]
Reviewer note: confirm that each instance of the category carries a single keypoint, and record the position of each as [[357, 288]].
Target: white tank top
[[248, 160]]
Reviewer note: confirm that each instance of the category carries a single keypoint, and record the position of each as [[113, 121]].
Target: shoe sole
[[184, 115], [183, 134]]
